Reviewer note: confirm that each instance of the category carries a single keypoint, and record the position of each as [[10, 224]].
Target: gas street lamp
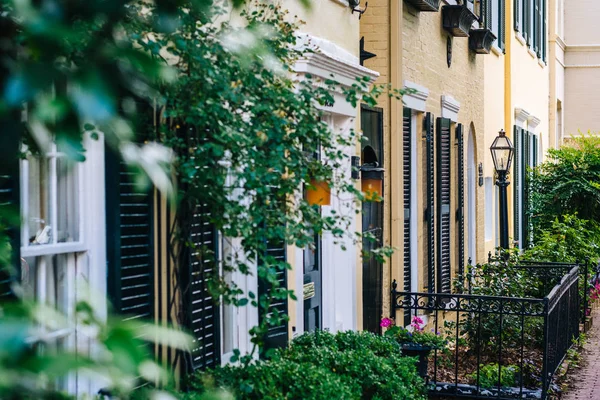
[[502, 153]]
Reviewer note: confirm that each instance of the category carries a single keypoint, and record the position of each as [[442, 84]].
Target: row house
[[88, 222]]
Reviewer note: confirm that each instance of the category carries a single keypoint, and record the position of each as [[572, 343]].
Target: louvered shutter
[[518, 182], [9, 201], [443, 172], [430, 211], [536, 26], [527, 5], [460, 211], [486, 7], [525, 202], [406, 172], [130, 245], [518, 4], [202, 310], [277, 336], [501, 24], [544, 40]]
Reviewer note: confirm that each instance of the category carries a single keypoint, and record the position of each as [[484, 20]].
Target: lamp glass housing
[[502, 152]]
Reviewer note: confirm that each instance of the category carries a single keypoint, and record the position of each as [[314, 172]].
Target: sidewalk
[[585, 383]]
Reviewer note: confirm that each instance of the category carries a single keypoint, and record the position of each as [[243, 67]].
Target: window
[[50, 193], [525, 158], [530, 21], [489, 209]]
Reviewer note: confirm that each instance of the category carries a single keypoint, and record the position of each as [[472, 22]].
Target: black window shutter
[[537, 38], [9, 200], [430, 212], [406, 173], [460, 211], [527, 4], [486, 7], [501, 25], [203, 313], [525, 202], [518, 14], [517, 177], [544, 29], [443, 168], [277, 336], [130, 244]]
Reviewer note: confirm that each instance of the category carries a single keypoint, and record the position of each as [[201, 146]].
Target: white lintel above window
[[417, 98], [521, 116], [330, 61], [532, 123], [450, 108]]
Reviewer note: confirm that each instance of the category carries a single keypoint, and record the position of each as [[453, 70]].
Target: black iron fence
[[498, 347]]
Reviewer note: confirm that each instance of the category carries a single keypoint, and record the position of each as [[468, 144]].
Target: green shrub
[[320, 365], [279, 379], [488, 376]]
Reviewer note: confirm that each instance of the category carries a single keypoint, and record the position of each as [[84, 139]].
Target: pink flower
[[386, 322], [417, 324]]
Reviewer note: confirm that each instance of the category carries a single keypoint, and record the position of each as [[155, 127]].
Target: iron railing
[[498, 347]]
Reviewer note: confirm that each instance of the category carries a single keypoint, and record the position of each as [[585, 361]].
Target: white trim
[[520, 39], [532, 123], [329, 61], [561, 43], [342, 2], [51, 249], [582, 47], [450, 107], [416, 100], [520, 117], [582, 66], [496, 50], [541, 63], [532, 53]]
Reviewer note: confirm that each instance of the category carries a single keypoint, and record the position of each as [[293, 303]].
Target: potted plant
[[414, 340]]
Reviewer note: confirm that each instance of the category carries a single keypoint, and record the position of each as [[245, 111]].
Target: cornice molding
[[521, 116], [450, 107], [417, 98], [533, 122]]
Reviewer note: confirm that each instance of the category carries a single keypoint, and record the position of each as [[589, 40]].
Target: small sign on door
[[309, 290]]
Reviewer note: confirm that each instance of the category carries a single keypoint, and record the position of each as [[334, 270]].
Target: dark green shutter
[[406, 174], [486, 7], [518, 16], [277, 335], [525, 201], [203, 316], [9, 201], [129, 244], [527, 5], [443, 172], [517, 178], [460, 211], [544, 40], [501, 25], [537, 26], [430, 211]]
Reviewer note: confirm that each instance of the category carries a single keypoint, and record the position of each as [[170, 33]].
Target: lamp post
[[502, 154]]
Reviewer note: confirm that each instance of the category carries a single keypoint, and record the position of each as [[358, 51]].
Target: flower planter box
[[457, 19], [425, 5], [481, 40], [422, 352]]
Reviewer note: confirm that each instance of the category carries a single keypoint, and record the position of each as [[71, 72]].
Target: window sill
[[532, 53], [521, 39], [541, 63], [496, 50], [51, 249]]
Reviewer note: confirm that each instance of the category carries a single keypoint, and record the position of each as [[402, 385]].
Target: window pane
[[67, 200], [38, 212]]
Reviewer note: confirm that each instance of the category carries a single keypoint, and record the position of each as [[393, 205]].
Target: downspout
[[395, 139]]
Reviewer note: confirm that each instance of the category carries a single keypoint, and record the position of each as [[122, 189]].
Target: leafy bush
[[320, 365], [567, 183], [488, 376], [279, 379]]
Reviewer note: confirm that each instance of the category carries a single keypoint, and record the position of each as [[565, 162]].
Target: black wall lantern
[[425, 5], [481, 40], [371, 175], [502, 153], [457, 19]]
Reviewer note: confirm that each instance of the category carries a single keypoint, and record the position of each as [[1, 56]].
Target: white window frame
[[28, 250]]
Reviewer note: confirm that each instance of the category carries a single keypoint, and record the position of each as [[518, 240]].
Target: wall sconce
[[318, 194], [480, 170], [372, 181]]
